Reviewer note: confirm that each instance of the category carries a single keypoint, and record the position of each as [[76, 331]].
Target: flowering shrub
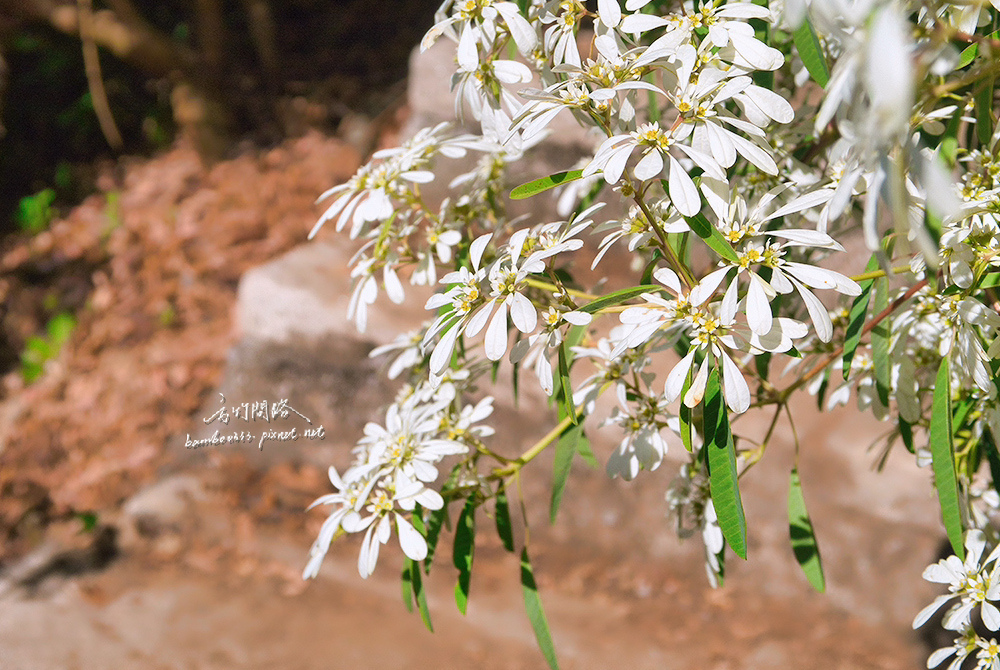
[[758, 135]]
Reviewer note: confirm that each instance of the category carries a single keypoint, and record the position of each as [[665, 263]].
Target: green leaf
[[811, 53], [943, 458], [967, 56], [464, 550], [684, 415], [712, 237], [407, 583], [59, 328], [723, 478], [948, 147], [420, 594], [566, 448], [880, 341], [906, 435], [619, 297], [856, 320], [504, 527], [544, 184], [536, 615], [984, 112], [566, 387], [435, 521], [800, 529]]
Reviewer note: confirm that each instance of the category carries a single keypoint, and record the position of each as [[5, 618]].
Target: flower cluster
[[737, 151], [972, 584]]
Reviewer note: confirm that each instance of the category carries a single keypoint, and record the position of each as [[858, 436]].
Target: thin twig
[[95, 82]]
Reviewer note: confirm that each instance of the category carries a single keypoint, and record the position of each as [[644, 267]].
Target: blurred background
[[159, 166]]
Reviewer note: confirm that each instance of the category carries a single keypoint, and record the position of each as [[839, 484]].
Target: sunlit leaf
[[712, 237], [464, 550], [856, 320], [566, 448], [943, 457], [504, 527], [723, 478], [618, 297], [536, 615], [800, 529], [880, 341], [811, 53], [544, 184]]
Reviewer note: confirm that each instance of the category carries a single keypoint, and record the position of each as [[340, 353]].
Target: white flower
[[969, 583], [643, 445], [714, 336]]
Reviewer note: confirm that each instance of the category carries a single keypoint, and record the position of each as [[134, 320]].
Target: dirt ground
[[204, 570]]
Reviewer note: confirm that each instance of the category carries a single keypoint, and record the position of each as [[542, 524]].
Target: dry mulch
[[153, 264]]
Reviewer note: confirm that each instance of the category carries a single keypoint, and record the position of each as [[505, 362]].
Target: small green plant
[[35, 212], [39, 349]]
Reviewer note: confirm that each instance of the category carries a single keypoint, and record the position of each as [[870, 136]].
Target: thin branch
[[121, 31], [95, 82]]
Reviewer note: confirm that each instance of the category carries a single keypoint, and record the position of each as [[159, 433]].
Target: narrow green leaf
[[856, 320], [984, 112], [800, 529], [536, 615], [811, 53], [824, 386], [420, 595], [906, 435], [880, 341], [435, 521], [586, 453], [993, 456], [684, 415], [712, 237], [566, 386], [566, 448], [967, 56], [723, 478], [504, 527], [943, 458], [464, 550], [619, 297], [407, 583], [544, 184]]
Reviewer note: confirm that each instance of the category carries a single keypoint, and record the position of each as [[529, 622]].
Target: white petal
[[696, 392], [734, 386], [703, 160], [754, 154], [522, 313], [468, 53], [496, 334], [650, 166], [806, 201], [683, 192], [675, 380], [707, 286], [926, 612], [771, 104], [577, 318], [640, 23], [441, 355], [477, 248], [668, 278], [722, 147], [412, 542], [817, 312], [759, 315], [610, 12]]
